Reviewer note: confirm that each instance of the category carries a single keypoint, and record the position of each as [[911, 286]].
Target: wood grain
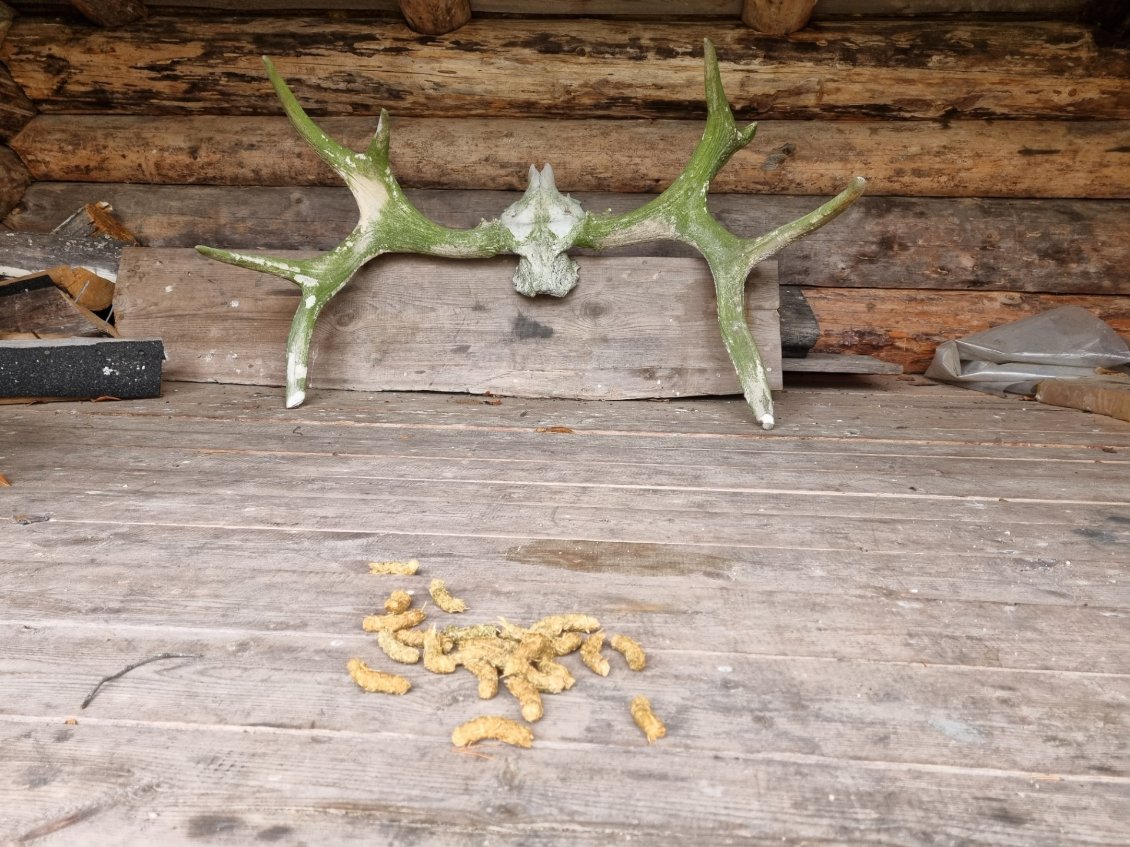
[[111, 13], [777, 17], [598, 68], [632, 328], [435, 17], [15, 108], [14, 180], [964, 159], [905, 326], [1052, 246]]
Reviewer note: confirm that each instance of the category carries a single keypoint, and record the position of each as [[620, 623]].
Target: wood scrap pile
[[57, 333], [526, 660]]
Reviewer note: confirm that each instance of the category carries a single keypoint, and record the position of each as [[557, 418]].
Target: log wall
[[995, 135]]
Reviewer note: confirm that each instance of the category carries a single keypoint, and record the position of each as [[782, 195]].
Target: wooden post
[[112, 12], [435, 17], [777, 17]]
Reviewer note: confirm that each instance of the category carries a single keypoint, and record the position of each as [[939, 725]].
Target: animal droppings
[[404, 620], [528, 697], [396, 650], [443, 598], [398, 602], [631, 649], [435, 659], [494, 728], [402, 568], [377, 682], [592, 657], [555, 625], [646, 720]]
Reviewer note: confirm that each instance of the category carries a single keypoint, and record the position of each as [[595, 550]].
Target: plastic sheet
[[1064, 343]]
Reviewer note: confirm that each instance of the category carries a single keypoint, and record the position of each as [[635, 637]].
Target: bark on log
[[883, 69], [15, 109], [978, 159], [905, 327], [777, 17], [435, 17], [1064, 246], [111, 13], [14, 180]]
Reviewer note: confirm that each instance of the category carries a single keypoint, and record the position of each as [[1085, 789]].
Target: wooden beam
[[980, 159], [579, 67], [905, 326], [414, 323], [1053, 246], [777, 17], [14, 180], [435, 17], [111, 13], [26, 252]]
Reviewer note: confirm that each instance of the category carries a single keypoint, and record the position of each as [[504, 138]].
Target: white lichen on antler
[[540, 228]]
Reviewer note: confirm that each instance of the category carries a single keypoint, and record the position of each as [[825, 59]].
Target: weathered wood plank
[[964, 159], [1059, 733], [777, 17], [23, 253], [33, 306], [632, 328], [435, 17], [14, 180], [500, 68], [1054, 246], [218, 782], [905, 326]]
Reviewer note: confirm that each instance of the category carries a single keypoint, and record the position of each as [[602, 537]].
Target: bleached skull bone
[[544, 224]]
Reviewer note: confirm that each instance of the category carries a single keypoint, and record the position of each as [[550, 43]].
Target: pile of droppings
[[523, 659]]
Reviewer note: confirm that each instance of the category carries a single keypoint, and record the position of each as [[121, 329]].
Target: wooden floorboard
[[900, 618]]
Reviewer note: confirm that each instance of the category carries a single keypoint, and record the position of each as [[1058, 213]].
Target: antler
[[388, 223], [540, 228], [680, 213]]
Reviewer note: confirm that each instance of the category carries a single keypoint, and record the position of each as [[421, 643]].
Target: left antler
[[388, 223], [680, 213]]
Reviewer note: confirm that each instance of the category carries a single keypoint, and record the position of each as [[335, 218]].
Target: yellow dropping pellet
[[377, 682], [528, 697], [485, 673], [443, 598], [592, 657], [555, 625], [409, 637], [646, 720], [567, 642], [435, 659], [633, 652], [550, 677], [398, 602], [493, 728], [398, 568], [396, 650], [404, 620]]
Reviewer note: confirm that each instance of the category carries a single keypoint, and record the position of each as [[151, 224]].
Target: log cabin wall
[[995, 133]]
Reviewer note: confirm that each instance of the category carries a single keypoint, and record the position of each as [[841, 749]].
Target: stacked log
[[998, 153]]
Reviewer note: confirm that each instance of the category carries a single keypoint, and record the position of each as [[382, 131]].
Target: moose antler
[[540, 228]]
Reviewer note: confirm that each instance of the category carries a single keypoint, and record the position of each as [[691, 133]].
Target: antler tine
[[681, 213]]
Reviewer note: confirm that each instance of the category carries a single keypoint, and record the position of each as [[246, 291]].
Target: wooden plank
[[35, 306], [1054, 246], [1052, 739], [905, 326], [111, 13], [1013, 159], [1103, 398], [215, 781], [632, 328], [29, 252], [435, 17], [777, 17], [500, 68], [14, 180]]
